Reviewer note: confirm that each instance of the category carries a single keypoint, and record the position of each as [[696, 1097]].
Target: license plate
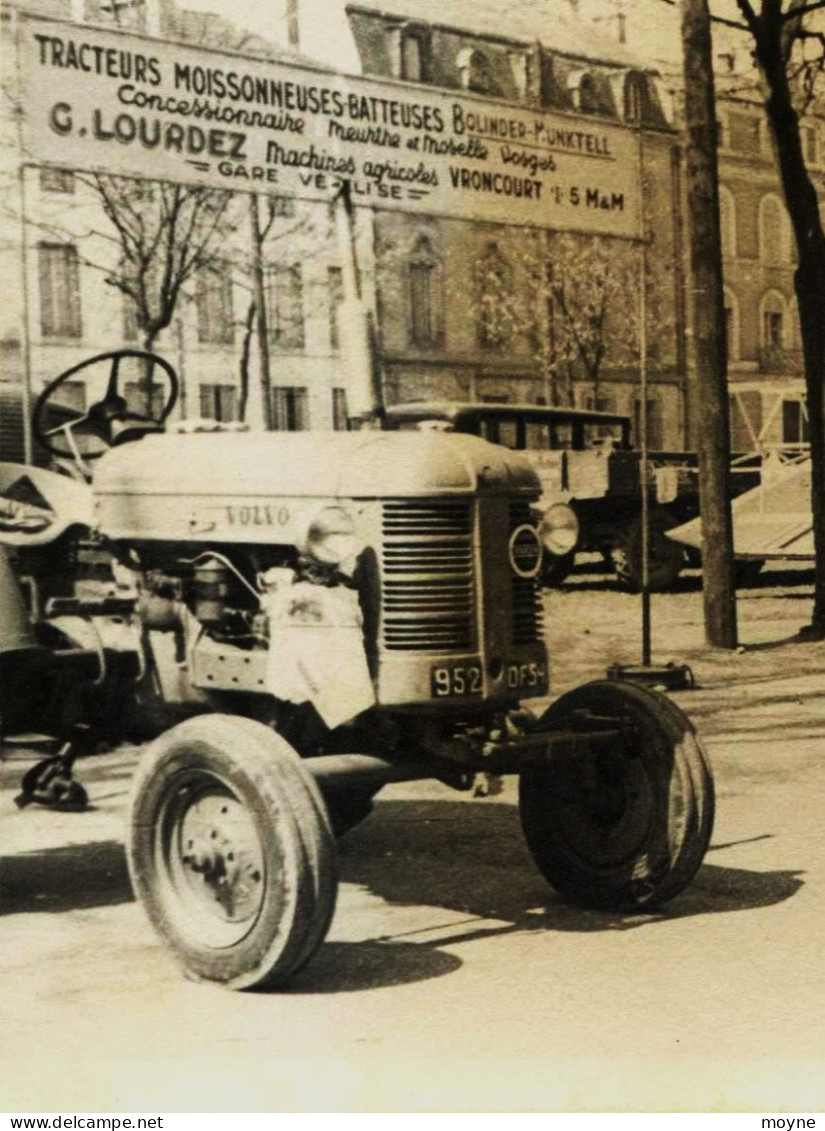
[[530, 676], [456, 679]]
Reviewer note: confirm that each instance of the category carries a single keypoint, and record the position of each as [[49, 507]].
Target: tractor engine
[[350, 569]]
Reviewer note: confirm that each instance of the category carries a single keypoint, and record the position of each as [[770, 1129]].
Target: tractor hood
[[205, 485]]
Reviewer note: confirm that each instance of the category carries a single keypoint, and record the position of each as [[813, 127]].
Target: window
[[281, 207], [585, 92], [795, 428], [72, 394], [727, 222], [598, 402], [476, 71], [59, 272], [424, 295], [772, 328], [744, 133], [121, 13], [496, 315], [635, 97], [285, 298], [499, 430], [135, 394], [773, 324], [335, 296], [289, 409], [56, 180], [340, 415], [214, 302], [774, 246], [411, 58], [219, 402], [536, 435], [655, 438]]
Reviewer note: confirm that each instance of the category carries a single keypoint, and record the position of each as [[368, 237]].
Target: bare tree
[[579, 309], [788, 38], [166, 234]]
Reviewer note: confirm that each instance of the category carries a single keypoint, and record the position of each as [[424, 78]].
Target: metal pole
[[643, 422], [28, 448], [260, 303]]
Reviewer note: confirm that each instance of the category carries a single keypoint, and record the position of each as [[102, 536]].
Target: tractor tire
[[231, 852], [665, 557], [624, 830]]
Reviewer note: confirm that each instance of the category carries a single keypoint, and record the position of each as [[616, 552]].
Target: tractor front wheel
[[624, 828], [231, 852]]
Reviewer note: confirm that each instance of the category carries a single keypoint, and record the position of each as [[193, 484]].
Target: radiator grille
[[527, 608], [428, 583]]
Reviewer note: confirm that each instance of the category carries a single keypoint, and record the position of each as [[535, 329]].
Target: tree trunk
[[810, 291], [148, 383], [718, 587], [246, 346], [261, 319], [809, 284]]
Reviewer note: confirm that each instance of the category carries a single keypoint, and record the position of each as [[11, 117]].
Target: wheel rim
[[604, 811], [210, 860]]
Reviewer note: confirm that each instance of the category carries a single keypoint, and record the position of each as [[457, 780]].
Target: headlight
[[559, 530], [331, 537]]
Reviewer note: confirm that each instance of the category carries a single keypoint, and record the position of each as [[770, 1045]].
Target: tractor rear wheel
[[627, 828], [230, 851]]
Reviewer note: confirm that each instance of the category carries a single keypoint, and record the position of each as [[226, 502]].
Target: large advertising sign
[[102, 100]]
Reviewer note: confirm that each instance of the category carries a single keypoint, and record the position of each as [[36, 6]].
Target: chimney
[[293, 23]]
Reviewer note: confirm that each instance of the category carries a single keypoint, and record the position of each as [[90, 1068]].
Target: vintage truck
[[343, 611], [591, 482]]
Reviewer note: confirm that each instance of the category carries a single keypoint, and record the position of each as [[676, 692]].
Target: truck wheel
[[230, 851], [665, 557], [624, 829], [554, 570]]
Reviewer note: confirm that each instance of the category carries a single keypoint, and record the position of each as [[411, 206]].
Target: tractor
[[340, 611]]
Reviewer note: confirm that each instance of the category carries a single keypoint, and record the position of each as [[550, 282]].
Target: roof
[[208, 29], [550, 22]]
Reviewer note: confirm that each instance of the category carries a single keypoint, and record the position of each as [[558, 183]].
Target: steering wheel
[[107, 419]]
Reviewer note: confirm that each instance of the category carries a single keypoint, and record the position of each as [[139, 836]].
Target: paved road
[[453, 979]]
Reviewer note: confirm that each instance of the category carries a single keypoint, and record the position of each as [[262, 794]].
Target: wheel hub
[[606, 814], [213, 860]]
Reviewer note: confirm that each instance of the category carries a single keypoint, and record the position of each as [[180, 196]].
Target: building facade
[[68, 260], [479, 311], [765, 372], [464, 308]]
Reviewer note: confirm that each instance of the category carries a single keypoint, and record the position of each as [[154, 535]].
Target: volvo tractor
[[338, 611]]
